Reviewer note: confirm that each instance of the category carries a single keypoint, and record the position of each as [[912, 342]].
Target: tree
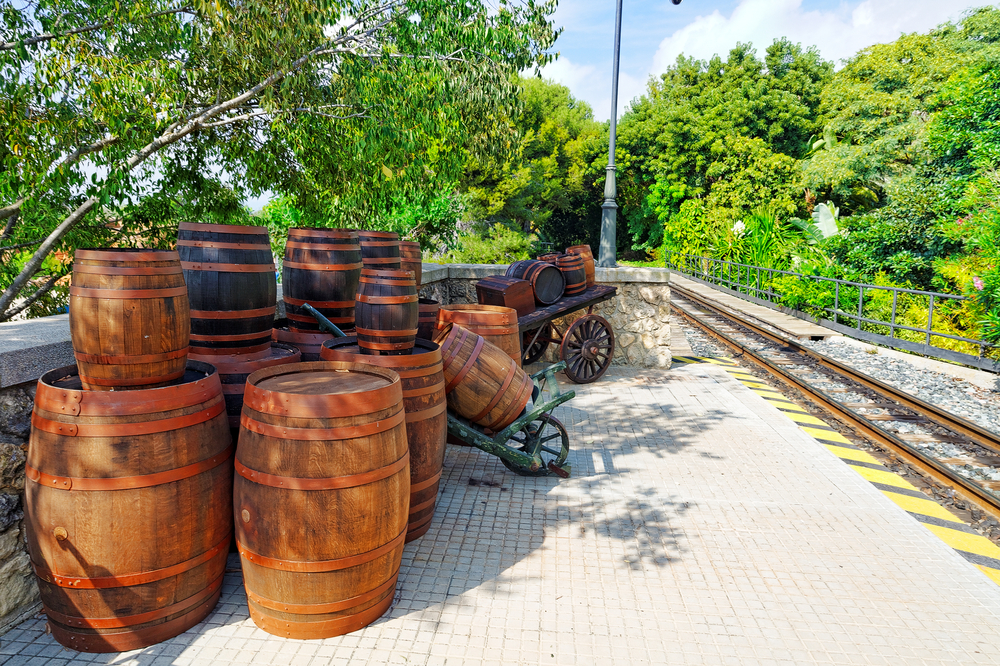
[[345, 103]]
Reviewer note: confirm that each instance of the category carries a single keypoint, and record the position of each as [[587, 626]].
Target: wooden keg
[[309, 344], [549, 258], [380, 250], [483, 384], [128, 498], [426, 409], [129, 318], [427, 316], [387, 312], [588, 261], [322, 268], [229, 272], [411, 259], [321, 496], [546, 280], [495, 323], [572, 269]]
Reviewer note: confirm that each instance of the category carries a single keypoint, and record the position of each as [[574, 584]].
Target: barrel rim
[[390, 235], [388, 272], [328, 232], [427, 347], [221, 228], [509, 314], [234, 364], [338, 405], [125, 254]]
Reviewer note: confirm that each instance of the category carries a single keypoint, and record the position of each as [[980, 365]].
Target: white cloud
[[593, 85]]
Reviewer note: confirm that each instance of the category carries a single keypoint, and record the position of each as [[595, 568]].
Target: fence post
[[930, 319], [861, 301], [892, 322]]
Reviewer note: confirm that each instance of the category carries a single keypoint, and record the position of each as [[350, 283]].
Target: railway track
[[953, 451]]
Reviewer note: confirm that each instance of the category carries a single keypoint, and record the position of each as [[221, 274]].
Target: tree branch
[[48, 36], [31, 300]]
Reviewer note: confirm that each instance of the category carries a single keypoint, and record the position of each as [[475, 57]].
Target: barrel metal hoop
[[385, 346], [423, 505], [473, 357], [110, 255], [424, 371], [307, 434], [299, 566], [417, 524], [225, 246], [128, 580], [107, 359], [318, 609], [309, 319], [429, 413], [424, 390], [120, 294], [321, 267], [508, 414], [227, 268], [221, 228], [387, 300], [349, 245], [426, 483], [232, 314], [318, 304], [379, 333], [195, 337], [199, 353], [101, 403], [91, 269], [325, 483], [126, 429], [500, 394], [134, 381], [454, 341]]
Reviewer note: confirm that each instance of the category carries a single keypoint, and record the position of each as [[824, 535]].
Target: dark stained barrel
[[386, 312], [229, 271], [411, 259], [427, 316], [309, 344], [128, 498], [321, 496], [495, 323], [424, 402], [322, 268], [380, 250], [574, 272], [588, 261], [546, 280], [129, 318], [483, 383]]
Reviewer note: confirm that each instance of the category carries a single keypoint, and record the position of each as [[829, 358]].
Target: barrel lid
[[331, 382], [322, 389]]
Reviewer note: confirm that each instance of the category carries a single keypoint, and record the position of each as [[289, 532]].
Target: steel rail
[[973, 493]]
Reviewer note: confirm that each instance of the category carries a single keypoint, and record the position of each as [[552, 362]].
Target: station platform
[[701, 525]]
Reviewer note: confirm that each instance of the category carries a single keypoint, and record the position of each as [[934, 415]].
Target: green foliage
[[501, 245]]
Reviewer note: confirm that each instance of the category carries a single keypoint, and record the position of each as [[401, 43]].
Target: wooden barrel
[[495, 323], [387, 312], [129, 318], [128, 499], [322, 268], [588, 261], [483, 384], [234, 370], [549, 258], [427, 316], [309, 344], [229, 272], [572, 269], [411, 259], [426, 410], [321, 496], [546, 280], [380, 250]]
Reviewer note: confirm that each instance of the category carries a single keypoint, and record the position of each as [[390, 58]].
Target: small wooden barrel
[[321, 496], [549, 258], [128, 499], [309, 344], [427, 316], [495, 323], [546, 280], [426, 409], [129, 318], [380, 250], [229, 271], [322, 268], [572, 269], [387, 312], [411, 259], [483, 384], [588, 261]]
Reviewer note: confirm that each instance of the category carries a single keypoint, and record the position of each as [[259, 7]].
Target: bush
[[501, 245]]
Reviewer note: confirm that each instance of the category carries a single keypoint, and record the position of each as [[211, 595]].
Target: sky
[[655, 32]]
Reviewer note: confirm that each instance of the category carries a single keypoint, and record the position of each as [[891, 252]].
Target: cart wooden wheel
[[541, 344], [587, 348], [545, 437]]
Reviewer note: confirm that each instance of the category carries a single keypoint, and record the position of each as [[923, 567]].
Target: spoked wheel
[[587, 348], [548, 438], [541, 344]]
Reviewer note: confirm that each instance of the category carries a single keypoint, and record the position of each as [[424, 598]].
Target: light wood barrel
[[495, 323], [546, 280], [427, 316], [387, 312], [321, 268], [549, 258], [129, 318], [573, 271], [588, 261], [483, 384], [229, 272], [411, 259], [128, 498], [309, 344], [380, 250], [422, 374], [321, 496]]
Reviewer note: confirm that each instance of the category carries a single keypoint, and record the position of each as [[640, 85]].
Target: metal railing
[[865, 311]]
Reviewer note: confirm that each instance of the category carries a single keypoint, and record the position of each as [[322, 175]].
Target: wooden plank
[[594, 295]]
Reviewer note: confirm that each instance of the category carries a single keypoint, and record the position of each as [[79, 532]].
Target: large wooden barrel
[[427, 316], [546, 280], [387, 312], [128, 499], [229, 271], [483, 384], [588, 261], [411, 259], [422, 374], [321, 496], [322, 268], [309, 344], [495, 323], [380, 250], [549, 258], [573, 271], [129, 318]]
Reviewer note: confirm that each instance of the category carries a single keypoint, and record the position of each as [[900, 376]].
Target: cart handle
[[548, 377], [324, 323]]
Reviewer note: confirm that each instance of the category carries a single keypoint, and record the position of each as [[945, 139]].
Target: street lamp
[[609, 209]]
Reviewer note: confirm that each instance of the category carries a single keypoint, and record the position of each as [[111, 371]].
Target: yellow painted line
[[925, 507], [851, 454], [803, 418], [885, 477], [970, 543], [827, 435], [993, 574]]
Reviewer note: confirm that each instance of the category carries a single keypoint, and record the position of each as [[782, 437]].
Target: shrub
[[501, 245]]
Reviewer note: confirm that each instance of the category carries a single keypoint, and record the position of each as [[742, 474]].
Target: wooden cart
[[587, 346]]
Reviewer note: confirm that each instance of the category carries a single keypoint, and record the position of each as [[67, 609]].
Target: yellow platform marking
[[958, 539]]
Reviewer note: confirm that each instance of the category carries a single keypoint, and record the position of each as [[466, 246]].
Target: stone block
[[17, 585], [15, 412], [655, 295], [12, 459]]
